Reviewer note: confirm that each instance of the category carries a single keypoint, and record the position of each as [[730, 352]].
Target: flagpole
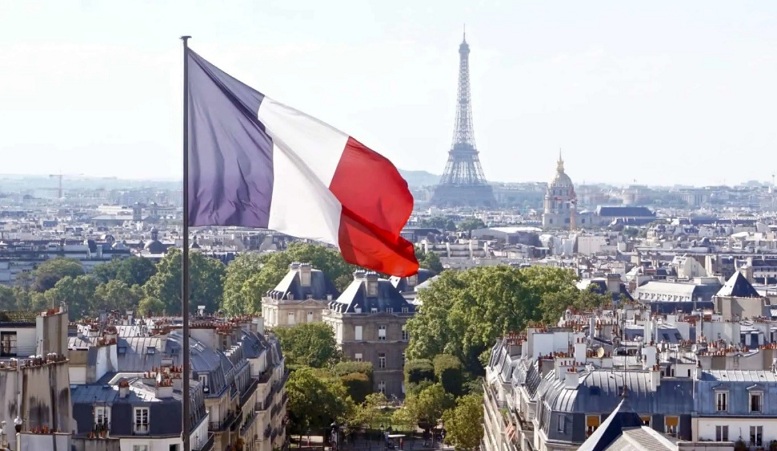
[[185, 396]]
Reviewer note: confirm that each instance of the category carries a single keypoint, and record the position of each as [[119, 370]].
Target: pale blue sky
[[658, 91]]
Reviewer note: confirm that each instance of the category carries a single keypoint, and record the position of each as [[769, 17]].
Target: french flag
[[255, 162]]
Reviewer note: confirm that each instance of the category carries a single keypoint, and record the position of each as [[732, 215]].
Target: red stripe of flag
[[376, 206]]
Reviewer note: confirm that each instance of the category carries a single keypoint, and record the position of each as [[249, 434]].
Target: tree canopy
[[206, 276], [239, 296], [427, 407], [464, 423], [309, 344], [48, 273], [428, 260], [315, 401], [463, 312], [77, 292]]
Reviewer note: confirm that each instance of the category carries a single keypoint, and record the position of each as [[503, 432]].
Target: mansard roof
[[738, 286], [357, 296], [290, 287]]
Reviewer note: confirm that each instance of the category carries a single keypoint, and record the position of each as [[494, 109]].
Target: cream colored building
[[299, 298]]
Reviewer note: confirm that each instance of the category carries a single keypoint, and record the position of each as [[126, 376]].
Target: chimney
[[123, 388], [655, 377], [164, 387], [649, 356], [572, 379], [372, 284], [305, 274], [614, 283], [580, 350]]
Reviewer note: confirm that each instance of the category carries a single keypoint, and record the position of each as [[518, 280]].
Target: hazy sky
[[658, 91]]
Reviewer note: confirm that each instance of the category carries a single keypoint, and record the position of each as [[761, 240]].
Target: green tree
[[7, 298], [151, 307], [471, 224], [464, 423], [48, 273], [427, 407], [630, 232], [105, 272], [358, 385], [206, 282], [117, 295], [135, 270], [429, 260], [239, 298], [448, 372], [418, 370], [309, 344], [77, 292], [369, 414], [463, 312], [316, 401]]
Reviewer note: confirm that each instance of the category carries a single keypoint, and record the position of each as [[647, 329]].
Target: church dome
[[561, 179]]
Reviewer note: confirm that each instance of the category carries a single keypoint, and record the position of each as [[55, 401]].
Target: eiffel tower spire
[[463, 182]]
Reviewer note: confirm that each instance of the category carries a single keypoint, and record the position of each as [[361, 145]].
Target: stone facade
[[560, 201], [369, 322], [299, 298]]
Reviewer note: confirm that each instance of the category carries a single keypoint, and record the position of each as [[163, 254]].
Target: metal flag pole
[[186, 395]]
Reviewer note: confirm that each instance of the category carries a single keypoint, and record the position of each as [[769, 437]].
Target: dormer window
[[389, 310], [374, 310], [756, 401], [372, 288], [151, 350], [140, 425], [721, 401]]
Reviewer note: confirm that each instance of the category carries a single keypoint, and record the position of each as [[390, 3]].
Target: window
[[151, 350], [645, 420], [290, 318], [310, 317], [721, 433], [8, 344], [382, 387], [755, 402], [174, 447], [402, 363], [670, 425], [382, 333], [591, 423], [141, 420], [405, 310], [721, 401], [562, 419], [382, 360], [139, 447], [374, 310], [756, 436], [358, 357], [389, 310], [357, 333], [404, 333], [102, 415], [203, 378]]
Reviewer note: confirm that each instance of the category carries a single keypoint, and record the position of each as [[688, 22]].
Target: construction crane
[[59, 177]]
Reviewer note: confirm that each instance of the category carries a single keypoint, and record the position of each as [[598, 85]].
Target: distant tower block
[[463, 182]]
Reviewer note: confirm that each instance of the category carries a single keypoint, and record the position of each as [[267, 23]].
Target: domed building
[[560, 201], [155, 246]]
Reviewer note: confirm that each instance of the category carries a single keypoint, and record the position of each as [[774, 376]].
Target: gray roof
[[622, 416], [738, 286], [624, 212], [643, 439], [388, 297], [320, 286]]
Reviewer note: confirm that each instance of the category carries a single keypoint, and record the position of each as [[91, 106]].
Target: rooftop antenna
[[464, 28]]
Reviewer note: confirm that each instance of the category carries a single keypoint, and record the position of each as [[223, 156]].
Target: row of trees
[[139, 283]]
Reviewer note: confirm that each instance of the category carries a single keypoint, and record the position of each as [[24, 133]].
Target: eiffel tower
[[463, 183]]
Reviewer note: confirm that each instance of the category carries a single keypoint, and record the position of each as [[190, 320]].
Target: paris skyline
[[659, 93]]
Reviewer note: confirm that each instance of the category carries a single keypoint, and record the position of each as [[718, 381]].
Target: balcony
[[248, 423], [208, 445], [250, 390], [224, 424]]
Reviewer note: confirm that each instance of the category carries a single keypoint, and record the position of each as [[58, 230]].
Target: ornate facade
[[560, 201]]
